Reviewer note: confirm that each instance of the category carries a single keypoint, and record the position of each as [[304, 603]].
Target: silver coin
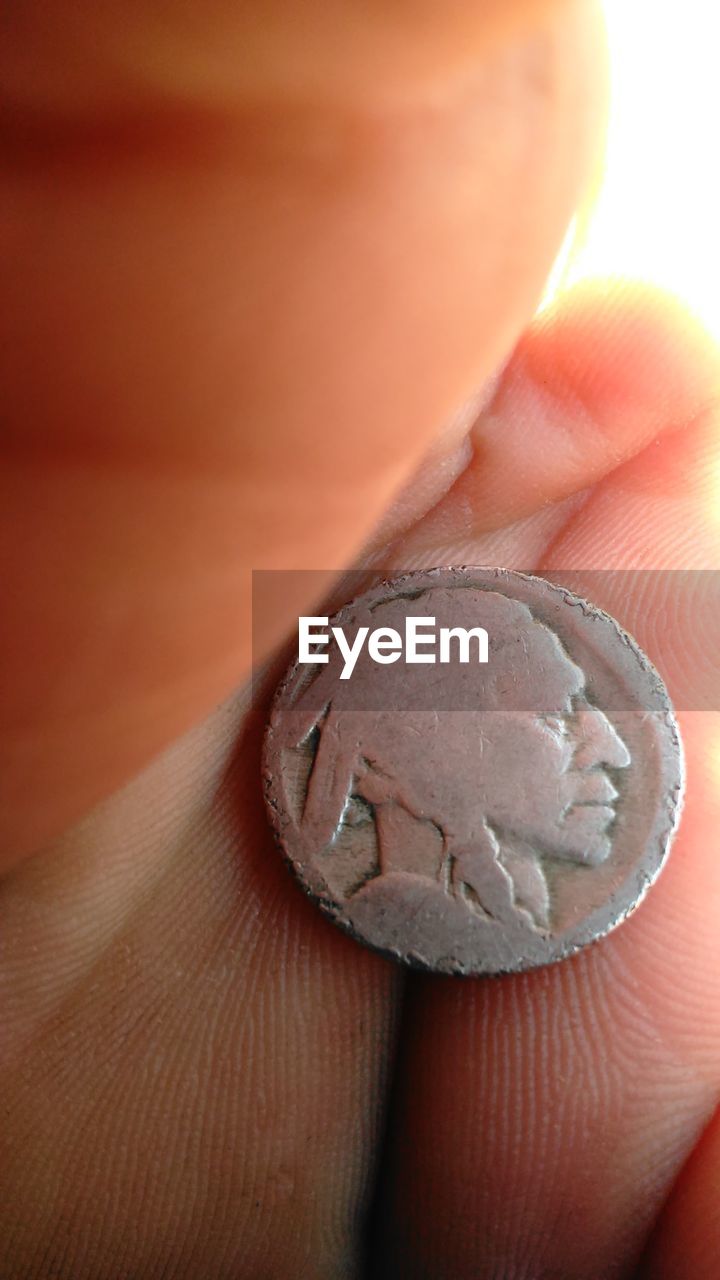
[[490, 805]]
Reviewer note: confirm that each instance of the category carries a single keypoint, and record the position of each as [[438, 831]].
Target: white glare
[[658, 213]]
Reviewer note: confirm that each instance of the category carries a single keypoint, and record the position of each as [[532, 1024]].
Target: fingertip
[[628, 350]]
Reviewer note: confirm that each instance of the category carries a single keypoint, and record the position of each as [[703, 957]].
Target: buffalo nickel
[[485, 813]]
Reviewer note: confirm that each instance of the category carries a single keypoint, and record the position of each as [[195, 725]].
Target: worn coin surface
[[470, 816]]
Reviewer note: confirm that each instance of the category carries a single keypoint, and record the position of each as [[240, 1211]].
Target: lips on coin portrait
[[473, 816]]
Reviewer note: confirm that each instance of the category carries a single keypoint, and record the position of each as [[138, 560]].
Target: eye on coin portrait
[[471, 816]]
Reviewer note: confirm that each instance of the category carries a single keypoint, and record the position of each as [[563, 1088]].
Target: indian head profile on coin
[[473, 771]]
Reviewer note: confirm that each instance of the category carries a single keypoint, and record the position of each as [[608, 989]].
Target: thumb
[[234, 325]]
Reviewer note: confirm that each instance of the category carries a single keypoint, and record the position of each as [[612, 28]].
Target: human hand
[[248, 286]]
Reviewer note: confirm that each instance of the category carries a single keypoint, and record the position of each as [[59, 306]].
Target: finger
[[66, 59], [540, 1120], [593, 380], [192, 1060], [249, 321], [687, 1241]]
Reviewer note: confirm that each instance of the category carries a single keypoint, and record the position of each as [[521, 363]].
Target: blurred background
[[657, 214]]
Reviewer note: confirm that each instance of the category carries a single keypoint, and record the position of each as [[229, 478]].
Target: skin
[[239, 295]]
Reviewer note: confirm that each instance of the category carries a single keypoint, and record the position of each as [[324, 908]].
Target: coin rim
[[662, 841]]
